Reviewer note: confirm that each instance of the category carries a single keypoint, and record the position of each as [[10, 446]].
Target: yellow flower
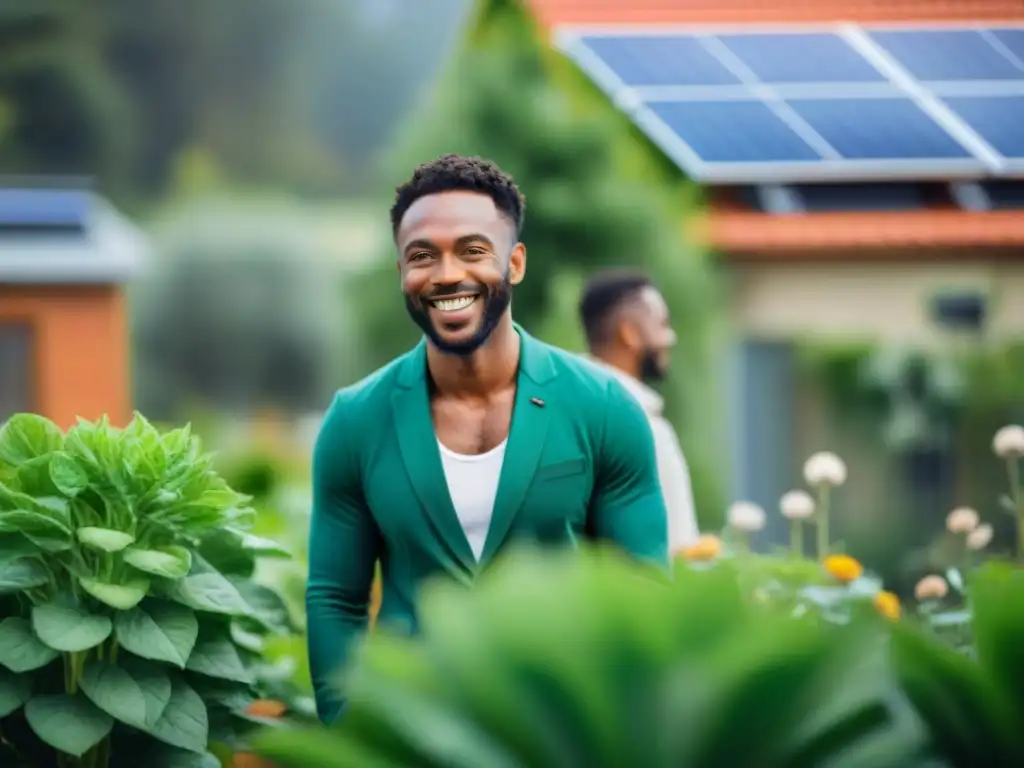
[[707, 548], [888, 605], [843, 568]]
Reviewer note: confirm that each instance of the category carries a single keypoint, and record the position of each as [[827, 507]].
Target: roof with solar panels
[[52, 233], [840, 119]]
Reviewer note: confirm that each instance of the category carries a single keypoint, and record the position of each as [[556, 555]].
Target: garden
[[149, 615]]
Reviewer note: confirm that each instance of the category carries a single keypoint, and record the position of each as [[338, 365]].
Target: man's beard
[[495, 301], [651, 369]]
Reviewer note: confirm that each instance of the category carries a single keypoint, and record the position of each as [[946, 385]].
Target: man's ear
[[517, 264], [628, 333]]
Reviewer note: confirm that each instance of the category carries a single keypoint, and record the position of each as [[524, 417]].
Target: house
[[65, 255], [863, 162]]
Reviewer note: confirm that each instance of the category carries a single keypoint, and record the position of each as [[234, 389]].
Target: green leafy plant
[[586, 659], [129, 609]]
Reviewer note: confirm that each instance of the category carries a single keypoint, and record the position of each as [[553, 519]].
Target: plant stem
[[1013, 469], [823, 499], [796, 537]]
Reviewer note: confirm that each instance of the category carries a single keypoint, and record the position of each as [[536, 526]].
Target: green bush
[[558, 661], [129, 616]]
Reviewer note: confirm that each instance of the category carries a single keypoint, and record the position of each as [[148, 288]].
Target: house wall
[[81, 349], [882, 300], [780, 417]]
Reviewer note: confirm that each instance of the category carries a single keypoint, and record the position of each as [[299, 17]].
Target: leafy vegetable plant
[[129, 623]]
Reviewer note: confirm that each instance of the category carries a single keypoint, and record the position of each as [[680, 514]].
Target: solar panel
[[997, 119], [661, 60], [43, 209], [832, 104], [878, 129], [951, 55], [1009, 41], [823, 58], [738, 131]]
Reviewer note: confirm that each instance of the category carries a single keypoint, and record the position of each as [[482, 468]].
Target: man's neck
[[619, 360], [489, 369]]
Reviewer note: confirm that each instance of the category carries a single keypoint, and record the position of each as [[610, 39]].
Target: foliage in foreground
[[128, 612], [586, 660]]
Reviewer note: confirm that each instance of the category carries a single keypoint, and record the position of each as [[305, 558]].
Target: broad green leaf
[[70, 724], [166, 756], [123, 597], [105, 539], [19, 575], [55, 474], [15, 690], [216, 656], [154, 681], [14, 546], [969, 716], [264, 547], [223, 551], [158, 630], [168, 562], [997, 597], [184, 722], [269, 608], [69, 478], [232, 696], [42, 521], [134, 694], [209, 592], [69, 629], [20, 649], [26, 436]]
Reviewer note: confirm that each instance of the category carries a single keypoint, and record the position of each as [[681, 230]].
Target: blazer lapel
[[531, 414], [418, 444]]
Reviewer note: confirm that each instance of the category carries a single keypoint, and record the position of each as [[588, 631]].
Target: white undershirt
[[473, 486]]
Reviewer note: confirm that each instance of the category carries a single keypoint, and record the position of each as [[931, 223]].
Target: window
[[15, 369]]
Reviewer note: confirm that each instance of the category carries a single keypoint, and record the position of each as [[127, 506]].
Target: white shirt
[[673, 472], [473, 486]]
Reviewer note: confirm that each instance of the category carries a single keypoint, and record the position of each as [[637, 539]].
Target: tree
[[237, 314], [503, 98]]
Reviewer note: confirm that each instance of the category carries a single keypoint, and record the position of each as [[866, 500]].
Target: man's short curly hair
[[450, 173]]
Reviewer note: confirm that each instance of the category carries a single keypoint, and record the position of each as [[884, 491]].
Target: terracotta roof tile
[[751, 232], [556, 12]]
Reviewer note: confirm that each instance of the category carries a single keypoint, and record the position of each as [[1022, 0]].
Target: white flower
[[746, 516], [797, 505], [979, 537], [1009, 442], [962, 520], [824, 468], [931, 588]]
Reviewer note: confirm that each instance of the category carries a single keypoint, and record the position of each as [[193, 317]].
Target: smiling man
[[478, 437]]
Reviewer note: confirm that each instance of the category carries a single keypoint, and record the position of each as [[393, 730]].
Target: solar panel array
[[841, 103]]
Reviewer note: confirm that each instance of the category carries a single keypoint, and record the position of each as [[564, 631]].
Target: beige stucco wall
[[880, 300]]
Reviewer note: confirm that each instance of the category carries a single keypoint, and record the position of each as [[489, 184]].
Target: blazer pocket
[[561, 469]]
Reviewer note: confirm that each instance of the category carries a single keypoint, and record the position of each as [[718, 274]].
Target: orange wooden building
[[65, 256]]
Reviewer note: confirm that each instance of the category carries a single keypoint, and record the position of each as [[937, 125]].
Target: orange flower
[[707, 548], [843, 568], [888, 605], [266, 708]]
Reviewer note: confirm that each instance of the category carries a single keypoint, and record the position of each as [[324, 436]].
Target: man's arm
[[675, 487], [343, 547], [627, 507]]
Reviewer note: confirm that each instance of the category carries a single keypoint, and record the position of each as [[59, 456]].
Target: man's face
[[459, 258], [650, 334]]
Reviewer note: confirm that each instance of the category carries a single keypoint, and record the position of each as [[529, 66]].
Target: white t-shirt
[[473, 486]]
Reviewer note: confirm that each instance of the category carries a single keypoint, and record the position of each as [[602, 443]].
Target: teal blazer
[[579, 463]]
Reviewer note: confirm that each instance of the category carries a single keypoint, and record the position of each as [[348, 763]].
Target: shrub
[[128, 609]]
